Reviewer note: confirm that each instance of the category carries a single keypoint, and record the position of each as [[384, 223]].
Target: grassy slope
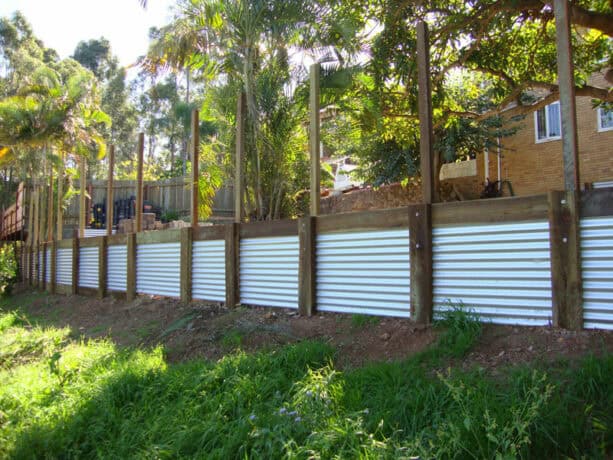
[[66, 398]]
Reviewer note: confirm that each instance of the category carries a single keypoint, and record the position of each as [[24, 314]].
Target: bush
[[8, 269]]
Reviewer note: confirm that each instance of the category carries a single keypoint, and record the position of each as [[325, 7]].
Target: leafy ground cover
[[63, 395]]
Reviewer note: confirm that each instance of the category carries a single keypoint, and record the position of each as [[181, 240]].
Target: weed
[[461, 330], [359, 321], [232, 339]]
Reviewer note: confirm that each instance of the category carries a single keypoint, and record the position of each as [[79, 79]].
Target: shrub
[[8, 269]]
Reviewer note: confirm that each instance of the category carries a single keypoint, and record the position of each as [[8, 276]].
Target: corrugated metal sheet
[[364, 272], [597, 255], [48, 266], [91, 232], [604, 184], [117, 267], [158, 269], [63, 273], [501, 271], [209, 270], [88, 267], [269, 271]]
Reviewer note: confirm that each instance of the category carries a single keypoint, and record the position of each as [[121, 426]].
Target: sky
[[61, 24]]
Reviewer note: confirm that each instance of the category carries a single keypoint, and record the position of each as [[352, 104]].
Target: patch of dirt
[[210, 330]]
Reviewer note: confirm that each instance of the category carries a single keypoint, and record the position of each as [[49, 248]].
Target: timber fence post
[[53, 277], [420, 256], [232, 264], [564, 234], [102, 264], [75, 266], [307, 261], [131, 267], [186, 264]]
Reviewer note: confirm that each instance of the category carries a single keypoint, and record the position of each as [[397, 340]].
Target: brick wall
[[538, 167]]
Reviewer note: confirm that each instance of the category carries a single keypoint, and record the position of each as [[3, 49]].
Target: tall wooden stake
[[82, 210], [240, 154], [109, 192], [32, 195], [568, 109], [139, 183], [314, 139], [60, 199], [50, 204], [424, 100], [195, 153]]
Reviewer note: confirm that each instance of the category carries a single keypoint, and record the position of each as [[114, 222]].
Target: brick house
[[532, 158]]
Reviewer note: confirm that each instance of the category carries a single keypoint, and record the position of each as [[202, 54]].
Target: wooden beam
[[568, 101], [102, 266], [109, 192], [424, 100], [307, 273], [131, 267], [239, 180], [60, 202], [50, 203], [53, 277], [195, 172], [567, 289], [32, 196], [75, 266], [186, 264], [82, 186], [139, 183], [314, 139], [232, 265], [420, 250]]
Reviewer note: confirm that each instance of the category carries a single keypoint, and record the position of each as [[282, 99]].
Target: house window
[[605, 119], [547, 123]]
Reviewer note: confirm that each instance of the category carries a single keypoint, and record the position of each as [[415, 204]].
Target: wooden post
[[30, 237], [109, 192], [37, 216], [131, 267], [50, 207], [60, 200], [232, 265], [239, 182], [82, 210], [75, 266], [314, 140], [307, 274], [568, 106], [565, 260], [102, 264], [186, 264], [195, 155], [420, 253], [424, 100], [43, 270], [139, 183], [53, 274]]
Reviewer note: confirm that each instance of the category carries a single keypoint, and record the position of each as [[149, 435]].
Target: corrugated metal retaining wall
[[364, 272], [502, 271], [209, 270], [88, 267], [269, 271], [597, 255], [117, 268], [158, 269], [63, 273]]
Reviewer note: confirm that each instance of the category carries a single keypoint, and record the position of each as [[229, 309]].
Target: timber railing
[[510, 260]]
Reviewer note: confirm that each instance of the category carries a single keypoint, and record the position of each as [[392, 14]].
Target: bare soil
[[210, 330]]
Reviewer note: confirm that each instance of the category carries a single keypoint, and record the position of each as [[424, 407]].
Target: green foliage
[[461, 328], [91, 399], [8, 269], [360, 321]]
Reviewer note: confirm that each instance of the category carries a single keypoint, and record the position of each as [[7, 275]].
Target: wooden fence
[[507, 259]]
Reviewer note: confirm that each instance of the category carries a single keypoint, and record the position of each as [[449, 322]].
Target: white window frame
[[601, 128], [547, 138]]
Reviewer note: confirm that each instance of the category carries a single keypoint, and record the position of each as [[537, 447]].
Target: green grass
[[90, 399]]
